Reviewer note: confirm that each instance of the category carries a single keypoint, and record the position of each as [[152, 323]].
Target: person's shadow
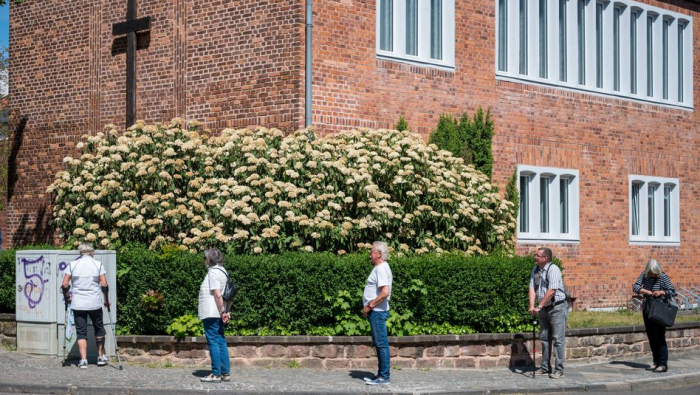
[[201, 373], [635, 365], [521, 359], [360, 374]]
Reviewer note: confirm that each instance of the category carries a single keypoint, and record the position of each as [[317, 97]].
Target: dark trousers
[[81, 317], [656, 333]]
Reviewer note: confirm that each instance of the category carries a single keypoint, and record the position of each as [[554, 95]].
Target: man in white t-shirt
[[375, 300]]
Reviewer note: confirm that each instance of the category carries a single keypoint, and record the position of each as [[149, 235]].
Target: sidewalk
[[44, 375]]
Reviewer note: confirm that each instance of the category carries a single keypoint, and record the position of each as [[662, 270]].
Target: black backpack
[[230, 290]]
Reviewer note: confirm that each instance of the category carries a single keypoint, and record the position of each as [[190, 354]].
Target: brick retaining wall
[[465, 351], [483, 350]]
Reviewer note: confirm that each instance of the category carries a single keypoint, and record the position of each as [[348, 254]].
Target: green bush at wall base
[[298, 293]]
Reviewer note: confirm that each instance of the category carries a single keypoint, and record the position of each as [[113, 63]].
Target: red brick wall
[[222, 62], [605, 139], [241, 63]]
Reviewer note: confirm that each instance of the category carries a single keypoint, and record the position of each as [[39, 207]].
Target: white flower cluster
[[258, 191]]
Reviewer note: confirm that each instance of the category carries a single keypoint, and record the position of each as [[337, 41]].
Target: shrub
[[401, 125], [256, 191], [512, 194], [317, 293], [466, 138]]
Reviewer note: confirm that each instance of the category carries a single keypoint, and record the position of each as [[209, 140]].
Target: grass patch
[[598, 319]]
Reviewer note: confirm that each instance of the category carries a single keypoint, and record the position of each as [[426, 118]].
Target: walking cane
[[113, 326], [534, 347], [65, 328]]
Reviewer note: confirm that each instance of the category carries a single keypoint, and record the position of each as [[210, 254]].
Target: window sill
[[659, 243], [541, 240], [591, 91], [438, 66]]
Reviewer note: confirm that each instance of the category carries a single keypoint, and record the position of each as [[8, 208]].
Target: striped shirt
[[553, 280], [655, 284]]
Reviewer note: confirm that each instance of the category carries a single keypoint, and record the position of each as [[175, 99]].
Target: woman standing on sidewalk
[[654, 283], [89, 283], [213, 312]]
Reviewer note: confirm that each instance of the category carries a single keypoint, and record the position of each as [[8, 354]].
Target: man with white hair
[[375, 300]]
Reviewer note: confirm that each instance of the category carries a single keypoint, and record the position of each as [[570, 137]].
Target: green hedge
[[294, 293]]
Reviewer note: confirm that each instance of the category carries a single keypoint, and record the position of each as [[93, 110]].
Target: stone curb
[[666, 382]]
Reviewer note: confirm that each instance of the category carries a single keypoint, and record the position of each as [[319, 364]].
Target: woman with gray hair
[[654, 283], [214, 313], [89, 282]]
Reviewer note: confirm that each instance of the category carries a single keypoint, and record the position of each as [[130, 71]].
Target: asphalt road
[[694, 390]]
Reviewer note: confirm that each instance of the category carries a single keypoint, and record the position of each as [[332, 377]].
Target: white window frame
[[398, 52], [658, 237], [554, 216], [614, 78]]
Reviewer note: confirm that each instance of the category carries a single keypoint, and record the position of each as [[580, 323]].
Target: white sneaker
[[83, 364], [102, 360]]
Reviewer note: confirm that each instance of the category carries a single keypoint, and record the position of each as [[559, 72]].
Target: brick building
[[593, 102]]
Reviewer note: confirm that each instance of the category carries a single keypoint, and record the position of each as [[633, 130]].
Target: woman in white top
[[89, 282], [213, 312]]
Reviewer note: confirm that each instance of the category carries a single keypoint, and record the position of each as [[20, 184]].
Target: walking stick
[[65, 328], [113, 326], [534, 347]]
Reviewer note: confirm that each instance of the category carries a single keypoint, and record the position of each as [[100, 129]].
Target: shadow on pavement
[[360, 374], [635, 365]]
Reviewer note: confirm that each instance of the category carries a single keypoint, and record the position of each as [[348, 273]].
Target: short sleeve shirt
[[379, 277], [215, 279], [86, 293], [553, 280]]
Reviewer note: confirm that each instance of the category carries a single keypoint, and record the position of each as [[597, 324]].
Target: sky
[[4, 25], [4, 34]]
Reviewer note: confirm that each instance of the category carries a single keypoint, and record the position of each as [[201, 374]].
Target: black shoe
[[660, 369], [652, 368]]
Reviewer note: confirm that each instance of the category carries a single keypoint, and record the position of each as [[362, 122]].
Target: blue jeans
[[552, 334], [216, 342], [377, 321]]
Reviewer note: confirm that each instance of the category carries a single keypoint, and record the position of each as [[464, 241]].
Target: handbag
[[663, 311]]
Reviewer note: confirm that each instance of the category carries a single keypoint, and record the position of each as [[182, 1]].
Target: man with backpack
[[547, 286]]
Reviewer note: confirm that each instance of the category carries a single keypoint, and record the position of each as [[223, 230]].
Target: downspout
[[309, 57]]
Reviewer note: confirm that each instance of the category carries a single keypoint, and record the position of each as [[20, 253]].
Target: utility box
[[39, 307]]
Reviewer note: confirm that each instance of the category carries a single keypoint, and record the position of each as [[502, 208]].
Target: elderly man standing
[[376, 308], [547, 285]]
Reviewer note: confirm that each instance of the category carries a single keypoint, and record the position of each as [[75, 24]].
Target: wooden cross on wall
[[130, 28]]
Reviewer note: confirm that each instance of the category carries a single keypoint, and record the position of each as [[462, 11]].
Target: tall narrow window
[[564, 204], [503, 35], [664, 60], [650, 55], [633, 52], [412, 27], [436, 29], [523, 37], [524, 204], [562, 40], [543, 39], [599, 44], [581, 29], [681, 29], [616, 48], [544, 204], [635, 208], [667, 210], [650, 210], [386, 28]]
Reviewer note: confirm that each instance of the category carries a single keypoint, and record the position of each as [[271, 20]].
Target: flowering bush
[[257, 191]]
